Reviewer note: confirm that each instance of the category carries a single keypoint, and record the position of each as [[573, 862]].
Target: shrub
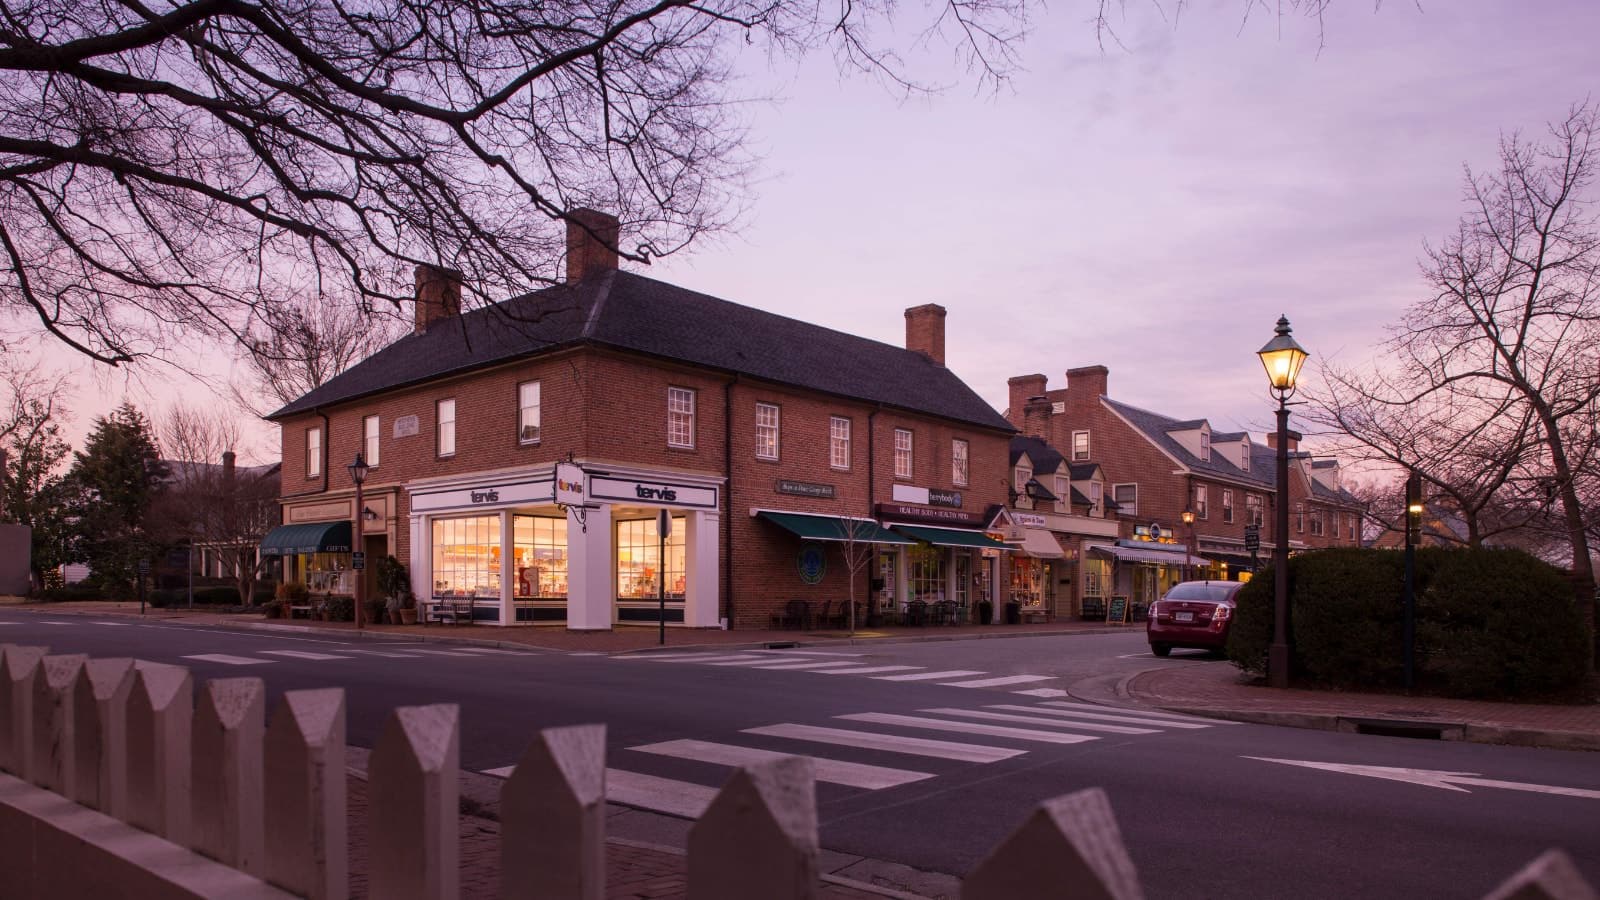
[[341, 609], [273, 609], [162, 598], [67, 593]]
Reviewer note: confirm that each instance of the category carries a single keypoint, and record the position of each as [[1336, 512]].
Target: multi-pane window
[[1205, 446], [1080, 446], [1299, 518], [466, 557], [539, 557], [1063, 494], [1244, 456], [640, 571], [1252, 509], [1126, 496], [902, 453], [1350, 523], [1200, 506], [925, 573], [528, 396], [369, 440], [314, 452], [447, 427], [766, 431], [1096, 495], [680, 417], [1227, 505], [839, 442], [1023, 476], [1316, 522], [960, 466]]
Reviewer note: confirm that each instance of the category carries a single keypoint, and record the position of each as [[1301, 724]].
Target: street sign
[[144, 567], [1252, 537], [358, 560]]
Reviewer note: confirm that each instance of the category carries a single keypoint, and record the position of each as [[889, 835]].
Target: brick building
[[1152, 469], [768, 441]]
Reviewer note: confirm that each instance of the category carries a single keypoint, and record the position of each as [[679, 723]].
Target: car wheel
[[1161, 649]]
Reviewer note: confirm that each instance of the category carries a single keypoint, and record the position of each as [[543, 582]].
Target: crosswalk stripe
[[764, 661], [667, 795], [698, 658], [929, 676], [894, 743], [304, 654], [391, 654], [1116, 714], [496, 651], [1041, 720], [807, 653], [653, 657], [55, 623], [1025, 734], [833, 771], [868, 670], [442, 652], [227, 660], [790, 666], [996, 682], [112, 624]]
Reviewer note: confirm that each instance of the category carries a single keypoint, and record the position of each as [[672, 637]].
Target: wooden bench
[[458, 610], [311, 606]]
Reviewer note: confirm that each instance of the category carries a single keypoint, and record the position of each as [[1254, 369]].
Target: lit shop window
[[925, 573], [902, 453], [639, 565], [540, 557], [466, 557]]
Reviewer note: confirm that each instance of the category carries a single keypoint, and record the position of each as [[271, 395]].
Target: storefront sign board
[[488, 495], [900, 513], [804, 489], [905, 493], [319, 512], [663, 493], [1030, 520], [569, 484]]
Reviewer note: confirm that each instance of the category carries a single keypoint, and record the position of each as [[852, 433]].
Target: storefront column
[[701, 536], [421, 562], [508, 586], [590, 596]]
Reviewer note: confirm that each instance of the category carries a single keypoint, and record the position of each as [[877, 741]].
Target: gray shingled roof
[[633, 313], [1045, 457], [1155, 427]]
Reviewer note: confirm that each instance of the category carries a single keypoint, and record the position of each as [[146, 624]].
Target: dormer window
[[1244, 456], [1024, 474], [1205, 446]]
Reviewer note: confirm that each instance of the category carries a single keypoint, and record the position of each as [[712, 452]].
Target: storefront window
[[639, 560], [540, 557], [328, 573], [1029, 578], [1095, 574], [884, 583], [963, 578], [925, 579], [466, 557]]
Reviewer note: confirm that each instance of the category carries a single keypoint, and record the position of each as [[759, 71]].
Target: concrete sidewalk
[[1219, 690]]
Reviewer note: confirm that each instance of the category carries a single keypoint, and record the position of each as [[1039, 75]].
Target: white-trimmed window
[[1350, 523], [314, 452], [766, 431], [960, 463], [902, 453], [1252, 509], [1244, 456], [1063, 494], [1022, 475], [1299, 518], [1202, 508], [446, 427], [1096, 496], [1080, 446], [370, 429], [1227, 505], [529, 394], [1205, 446], [680, 417], [1126, 497], [839, 442], [1316, 522]]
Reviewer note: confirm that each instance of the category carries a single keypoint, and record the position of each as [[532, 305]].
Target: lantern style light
[[358, 470], [1188, 516], [1283, 358]]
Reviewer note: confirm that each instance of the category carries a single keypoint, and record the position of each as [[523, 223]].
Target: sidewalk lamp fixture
[[358, 476], [1282, 358], [1188, 549]]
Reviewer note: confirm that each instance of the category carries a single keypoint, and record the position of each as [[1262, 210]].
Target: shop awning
[[1040, 543], [950, 537], [1140, 554], [833, 528], [310, 537], [1237, 561]]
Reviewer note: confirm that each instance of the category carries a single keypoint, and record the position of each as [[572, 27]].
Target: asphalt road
[[929, 775]]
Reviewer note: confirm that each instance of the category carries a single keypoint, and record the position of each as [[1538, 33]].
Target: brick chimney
[[1088, 382], [1294, 440], [925, 331], [227, 470], [438, 297], [1022, 388], [591, 243], [1036, 414]]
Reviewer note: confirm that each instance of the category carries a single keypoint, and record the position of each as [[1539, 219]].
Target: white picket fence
[[130, 784]]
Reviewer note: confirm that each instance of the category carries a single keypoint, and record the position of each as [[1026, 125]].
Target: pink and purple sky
[[1152, 208]]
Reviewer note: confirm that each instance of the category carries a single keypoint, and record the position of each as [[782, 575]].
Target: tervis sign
[[539, 491], [569, 484], [665, 493]]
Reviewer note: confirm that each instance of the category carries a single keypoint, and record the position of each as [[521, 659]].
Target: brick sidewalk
[[1222, 689]]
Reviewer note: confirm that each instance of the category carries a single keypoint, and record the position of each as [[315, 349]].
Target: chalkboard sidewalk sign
[[1118, 612]]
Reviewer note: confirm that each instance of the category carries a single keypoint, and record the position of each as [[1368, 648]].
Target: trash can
[[1013, 613]]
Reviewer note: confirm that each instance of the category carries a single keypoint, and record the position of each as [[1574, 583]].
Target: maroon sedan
[[1192, 614]]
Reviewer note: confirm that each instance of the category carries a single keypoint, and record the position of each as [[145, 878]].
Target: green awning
[[833, 528], [310, 537], [951, 537]]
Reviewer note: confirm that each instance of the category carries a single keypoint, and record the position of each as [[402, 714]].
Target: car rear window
[[1208, 591]]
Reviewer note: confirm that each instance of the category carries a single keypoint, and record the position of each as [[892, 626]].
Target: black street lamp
[[1282, 358], [1188, 549], [358, 475]]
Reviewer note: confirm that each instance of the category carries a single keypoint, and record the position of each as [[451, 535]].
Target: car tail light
[[1155, 609], [1221, 612]]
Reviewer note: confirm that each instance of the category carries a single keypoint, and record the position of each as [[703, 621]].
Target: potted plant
[[395, 584]]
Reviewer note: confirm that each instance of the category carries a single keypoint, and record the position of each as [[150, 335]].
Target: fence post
[[18, 667], [553, 818], [1069, 846], [225, 772], [1551, 876], [307, 836], [100, 735], [758, 838], [160, 713], [413, 805], [52, 722]]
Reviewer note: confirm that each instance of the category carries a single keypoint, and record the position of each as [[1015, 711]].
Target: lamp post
[[358, 475], [1282, 358], [1413, 537], [1188, 548]]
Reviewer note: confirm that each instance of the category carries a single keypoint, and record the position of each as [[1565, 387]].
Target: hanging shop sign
[[905, 493], [898, 512], [804, 489], [665, 493], [813, 563], [538, 491], [569, 484]]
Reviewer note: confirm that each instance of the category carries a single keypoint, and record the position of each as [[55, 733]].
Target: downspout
[[327, 442], [727, 491]]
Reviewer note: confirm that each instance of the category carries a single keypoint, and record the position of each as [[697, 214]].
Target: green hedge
[[1490, 623], [341, 609]]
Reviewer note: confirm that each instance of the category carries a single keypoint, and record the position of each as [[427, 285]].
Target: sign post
[[1252, 543], [663, 528], [144, 569]]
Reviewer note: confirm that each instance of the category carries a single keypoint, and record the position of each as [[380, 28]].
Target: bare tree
[[857, 549], [298, 347]]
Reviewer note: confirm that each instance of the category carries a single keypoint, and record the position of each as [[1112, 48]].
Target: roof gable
[[1158, 430]]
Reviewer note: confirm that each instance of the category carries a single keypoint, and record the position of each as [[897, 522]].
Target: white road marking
[[1448, 781], [304, 654], [997, 682], [55, 623], [499, 651], [112, 624], [766, 661], [586, 653], [833, 771], [678, 798], [1039, 720], [442, 652], [807, 653], [867, 740], [1024, 734], [692, 657], [868, 670], [928, 676], [391, 654], [791, 666], [227, 660], [1148, 716], [1042, 692]]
